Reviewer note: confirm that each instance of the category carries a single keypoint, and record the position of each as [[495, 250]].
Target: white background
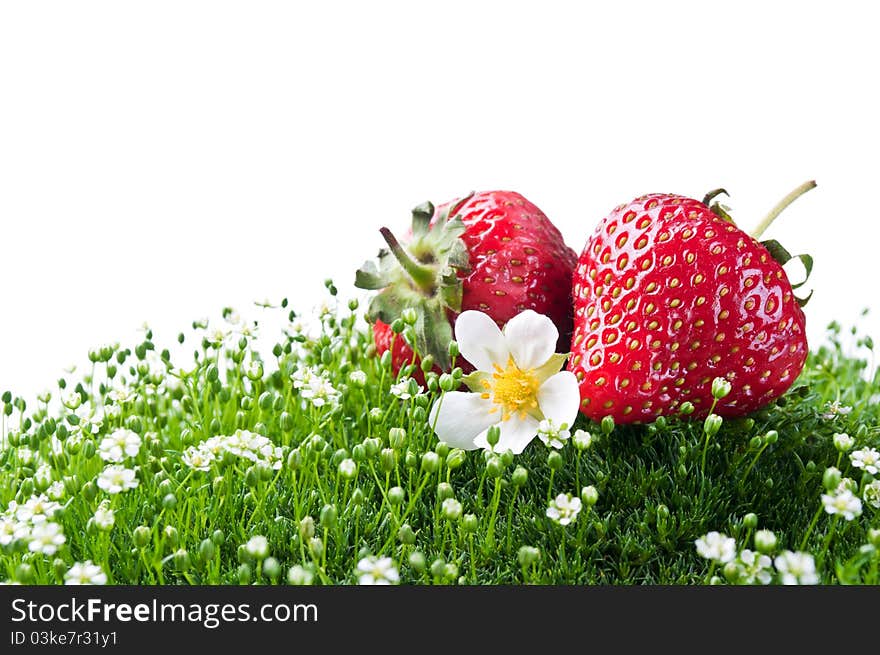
[[159, 160]]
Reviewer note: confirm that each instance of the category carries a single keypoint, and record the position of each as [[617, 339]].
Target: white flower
[[796, 568], [867, 459], [255, 369], [90, 422], [71, 399], [299, 575], [198, 459], [832, 410], [25, 455], [217, 336], [257, 546], [231, 316], [357, 378], [10, 530], [717, 547], [46, 538], [119, 444], [842, 503], [315, 387], [37, 509], [104, 517], [377, 571], [582, 440], [403, 391], [872, 494], [115, 479], [121, 395], [517, 384], [842, 441], [552, 435], [564, 508], [83, 573], [56, 491], [754, 568]]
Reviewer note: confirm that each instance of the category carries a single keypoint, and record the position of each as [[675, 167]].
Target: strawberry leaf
[[781, 255], [434, 332], [369, 277]]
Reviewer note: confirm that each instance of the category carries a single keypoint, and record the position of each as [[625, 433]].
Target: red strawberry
[[492, 251], [668, 295]]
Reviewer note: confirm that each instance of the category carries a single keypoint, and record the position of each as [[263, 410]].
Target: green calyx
[[776, 250], [423, 275]]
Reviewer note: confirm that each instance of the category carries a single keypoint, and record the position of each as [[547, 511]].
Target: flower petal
[[480, 341], [559, 397], [459, 417], [516, 434], [531, 338]]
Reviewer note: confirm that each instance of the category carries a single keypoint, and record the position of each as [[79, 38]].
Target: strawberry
[[493, 251], [668, 295]]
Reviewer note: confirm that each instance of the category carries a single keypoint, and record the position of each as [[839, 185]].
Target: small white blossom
[[843, 503], [835, 409], [582, 440], [842, 441], [299, 575], [25, 455], [37, 509], [71, 400], [11, 529], [872, 494], [197, 458], [315, 387], [564, 509], [357, 378], [377, 571], [115, 479], [754, 568], [56, 490], [552, 435], [104, 517], [717, 547], [403, 389], [85, 573], [257, 546], [46, 538], [867, 459], [217, 336], [796, 568], [118, 445], [122, 395]]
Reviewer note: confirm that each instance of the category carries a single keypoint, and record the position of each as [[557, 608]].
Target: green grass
[[186, 526]]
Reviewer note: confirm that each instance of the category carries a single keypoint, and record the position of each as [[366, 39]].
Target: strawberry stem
[[780, 207], [423, 276]]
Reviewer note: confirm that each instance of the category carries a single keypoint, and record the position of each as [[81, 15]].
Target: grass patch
[[315, 446]]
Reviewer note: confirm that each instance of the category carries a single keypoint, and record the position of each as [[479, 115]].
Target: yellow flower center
[[513, 389]]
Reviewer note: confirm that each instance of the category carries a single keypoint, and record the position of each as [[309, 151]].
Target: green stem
[[421, 275], [811, 526], [753, 462], [780, 207]]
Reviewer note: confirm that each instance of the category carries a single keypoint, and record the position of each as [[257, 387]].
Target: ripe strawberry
[[669, 295], [492, 251]]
